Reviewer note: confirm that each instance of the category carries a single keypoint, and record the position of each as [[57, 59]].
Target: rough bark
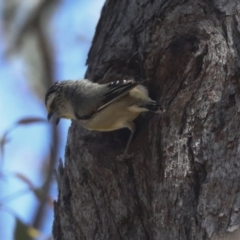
[[184, 180]]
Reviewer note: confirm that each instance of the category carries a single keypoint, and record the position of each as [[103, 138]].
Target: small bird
[[100, 107]]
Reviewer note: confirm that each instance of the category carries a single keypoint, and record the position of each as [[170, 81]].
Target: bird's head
[[56, 101]]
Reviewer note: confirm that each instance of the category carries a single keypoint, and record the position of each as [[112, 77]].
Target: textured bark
[[184, 180]]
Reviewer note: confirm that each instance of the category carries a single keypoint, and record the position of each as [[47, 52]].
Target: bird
[[101, 107]]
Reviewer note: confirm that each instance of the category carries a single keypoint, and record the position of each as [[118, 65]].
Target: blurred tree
[[25, 26], [183, 181]]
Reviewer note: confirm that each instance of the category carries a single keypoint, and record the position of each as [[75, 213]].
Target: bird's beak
[[49, 115], [57, 121]]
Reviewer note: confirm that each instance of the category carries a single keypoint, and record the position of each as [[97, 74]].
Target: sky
[[71, 30]]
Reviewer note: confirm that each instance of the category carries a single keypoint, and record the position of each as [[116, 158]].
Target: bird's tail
[[153, 106]]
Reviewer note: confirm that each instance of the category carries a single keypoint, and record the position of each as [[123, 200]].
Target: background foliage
[[41, 41]]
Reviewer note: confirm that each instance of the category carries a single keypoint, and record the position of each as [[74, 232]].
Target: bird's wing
[[116, 90]]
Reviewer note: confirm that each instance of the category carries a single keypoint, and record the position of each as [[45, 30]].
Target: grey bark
[[184, 180]]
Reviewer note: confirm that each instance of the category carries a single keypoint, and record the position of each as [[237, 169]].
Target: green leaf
[[21, 231], [24, 232]]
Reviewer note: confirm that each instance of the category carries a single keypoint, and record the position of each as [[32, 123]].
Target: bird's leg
[[125, 155], [131, 127]]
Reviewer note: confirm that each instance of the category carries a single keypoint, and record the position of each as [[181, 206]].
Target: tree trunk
[[184, 180]]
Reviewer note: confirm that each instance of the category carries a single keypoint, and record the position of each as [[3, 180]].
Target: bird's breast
[[113, 117]]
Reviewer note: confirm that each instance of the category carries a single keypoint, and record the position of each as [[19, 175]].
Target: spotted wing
[[116, 90]]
